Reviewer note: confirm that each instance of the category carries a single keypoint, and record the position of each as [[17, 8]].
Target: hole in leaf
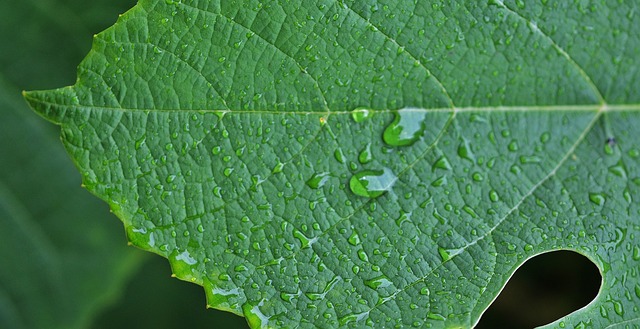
[[544, 289]]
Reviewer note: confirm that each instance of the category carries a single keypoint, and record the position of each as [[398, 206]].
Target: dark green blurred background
[[64, 262]]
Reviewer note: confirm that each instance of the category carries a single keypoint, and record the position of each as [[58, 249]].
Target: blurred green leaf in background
[[63, 257]]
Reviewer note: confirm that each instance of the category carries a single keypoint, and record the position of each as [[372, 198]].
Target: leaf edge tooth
[[40, 102]]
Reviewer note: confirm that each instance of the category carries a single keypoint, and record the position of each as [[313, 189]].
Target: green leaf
[[62, 255], [369, 163]]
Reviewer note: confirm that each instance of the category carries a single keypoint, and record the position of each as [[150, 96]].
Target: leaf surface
[[369, 163]]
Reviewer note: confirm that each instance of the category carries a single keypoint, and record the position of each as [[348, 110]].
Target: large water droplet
[[372, 183], [318, 180], [407, 127]]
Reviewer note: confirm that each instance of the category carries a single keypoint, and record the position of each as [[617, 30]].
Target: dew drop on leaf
[[354, 239], [338, 155], [360, 114], [378, 282], [407, 127], [278, 168], [372, 183], [464, 151], [441, 163], [597, 198], [365, 155], [318, 180]]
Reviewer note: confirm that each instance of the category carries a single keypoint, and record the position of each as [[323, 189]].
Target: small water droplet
[[493, 196], [360, 114], [436, 316], [318, 180], [440, 181], [406, 128], [619, 169], [405, 217], [278, 168], [444, 254], [378, 282], [597, 198], [363, 255], [636, 253], [617, 307], [372, 183], [351, 318], [354, 239], [464, 151], [338, 155], [365, 156], [441, 163], [530, 159]]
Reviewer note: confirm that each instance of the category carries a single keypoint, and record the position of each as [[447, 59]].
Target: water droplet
[[360, 114], [378, 282], [372, 183], [405, 217], [447, 254], [441, 163], [318, 180], [338, 155], [493, 196], [464, 151], [363, 255], [544, 138], [352, 318], [513, 146], [617, 307], [444, 254], [365, 156], [278, 168], [354, 239], [440, 181], [597, 198], [530, 159], [254, 315], [288, 297], [436, 316], [406, 128], [619, 169], [470, 211]]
